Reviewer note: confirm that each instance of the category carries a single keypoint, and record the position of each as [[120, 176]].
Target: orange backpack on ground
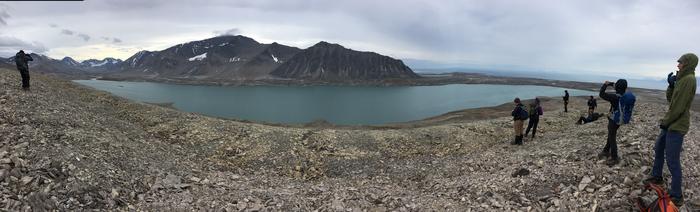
[[661, 204]]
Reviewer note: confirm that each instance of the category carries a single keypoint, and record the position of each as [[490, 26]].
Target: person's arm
[[606, 96], [540, 111], [669, 93], [29, 57], [515, 111], [680, 101]]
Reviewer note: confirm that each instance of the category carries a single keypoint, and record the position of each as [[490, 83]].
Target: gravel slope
[[68, 147]]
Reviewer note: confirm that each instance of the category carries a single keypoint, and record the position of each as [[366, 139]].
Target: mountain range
[[235, 58]]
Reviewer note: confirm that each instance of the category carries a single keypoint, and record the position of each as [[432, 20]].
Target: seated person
[[591, 117]]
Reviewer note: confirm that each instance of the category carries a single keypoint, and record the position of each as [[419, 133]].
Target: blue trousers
[[669, 146]]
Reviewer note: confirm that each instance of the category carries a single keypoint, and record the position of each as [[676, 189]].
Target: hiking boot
[[678, 201], [603, 155], [613, 161], [515, 141], [520, 140], [654, 180]]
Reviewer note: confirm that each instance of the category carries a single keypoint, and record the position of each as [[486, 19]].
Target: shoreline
[[464, 115], [459, 115]]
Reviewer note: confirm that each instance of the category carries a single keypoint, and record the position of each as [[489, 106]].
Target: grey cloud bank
[[614, 37]]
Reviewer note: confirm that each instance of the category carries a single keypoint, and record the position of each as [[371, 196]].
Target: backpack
[[662, 203], [533, 110], [623, 114], [523, 115]]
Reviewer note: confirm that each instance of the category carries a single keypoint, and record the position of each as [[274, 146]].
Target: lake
[[345, 105]]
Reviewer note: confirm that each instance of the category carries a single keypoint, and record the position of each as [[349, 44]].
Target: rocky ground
[[68, 147]]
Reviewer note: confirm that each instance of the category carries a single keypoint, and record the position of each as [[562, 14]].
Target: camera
[[610, 84]]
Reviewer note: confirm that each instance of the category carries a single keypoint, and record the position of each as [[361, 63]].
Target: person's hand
[[671, 79], [661, 125]]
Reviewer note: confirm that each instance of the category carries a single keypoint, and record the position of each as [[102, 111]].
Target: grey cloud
[[67, 32], [3, 15], [113, 40], [232, 31], [10, 45], [536, 33], [84, 36], [53, 25]]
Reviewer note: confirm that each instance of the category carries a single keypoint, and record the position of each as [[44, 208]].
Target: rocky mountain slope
[[332, 62], [224, 57], [242, 58], [104, 65], [68, 147], [232, 58], [66, 67]]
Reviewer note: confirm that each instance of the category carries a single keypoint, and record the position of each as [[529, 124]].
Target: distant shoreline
[[426, 80], [466, 115]]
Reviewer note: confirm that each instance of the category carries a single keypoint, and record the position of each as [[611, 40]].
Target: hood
[[620, 86], [689, 61]]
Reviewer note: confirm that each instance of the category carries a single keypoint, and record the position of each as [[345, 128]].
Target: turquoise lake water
[[345, 105]]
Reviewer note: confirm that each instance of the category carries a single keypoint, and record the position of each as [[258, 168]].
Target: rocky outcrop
[[67, 147], [332, 62]]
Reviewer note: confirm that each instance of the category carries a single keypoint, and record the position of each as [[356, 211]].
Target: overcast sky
[[640, 38]]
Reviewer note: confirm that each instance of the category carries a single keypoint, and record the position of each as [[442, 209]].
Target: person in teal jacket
[[674, 126]]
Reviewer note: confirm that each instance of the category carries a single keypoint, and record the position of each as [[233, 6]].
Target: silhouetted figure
[[566, 101], [535, 112], [21, 60], [674, 126], [592, 104]]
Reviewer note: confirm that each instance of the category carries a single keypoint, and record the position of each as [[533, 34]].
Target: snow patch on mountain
[[198, 57]]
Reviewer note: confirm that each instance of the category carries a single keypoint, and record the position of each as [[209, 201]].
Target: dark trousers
[[532, 124], [25, 77], [670, 145], [566, 106], [611, 146], [581, 120]]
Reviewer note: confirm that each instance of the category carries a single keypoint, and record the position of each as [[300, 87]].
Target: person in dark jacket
[[588, 119], [535, 112], [566, 101], [610, 149], [518, 121], [592, 104], [21, 60], [674, 126]]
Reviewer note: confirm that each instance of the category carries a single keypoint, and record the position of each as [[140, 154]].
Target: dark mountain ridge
[[232, 58]]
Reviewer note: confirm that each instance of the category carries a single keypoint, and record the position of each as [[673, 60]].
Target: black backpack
[[523, 115]]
